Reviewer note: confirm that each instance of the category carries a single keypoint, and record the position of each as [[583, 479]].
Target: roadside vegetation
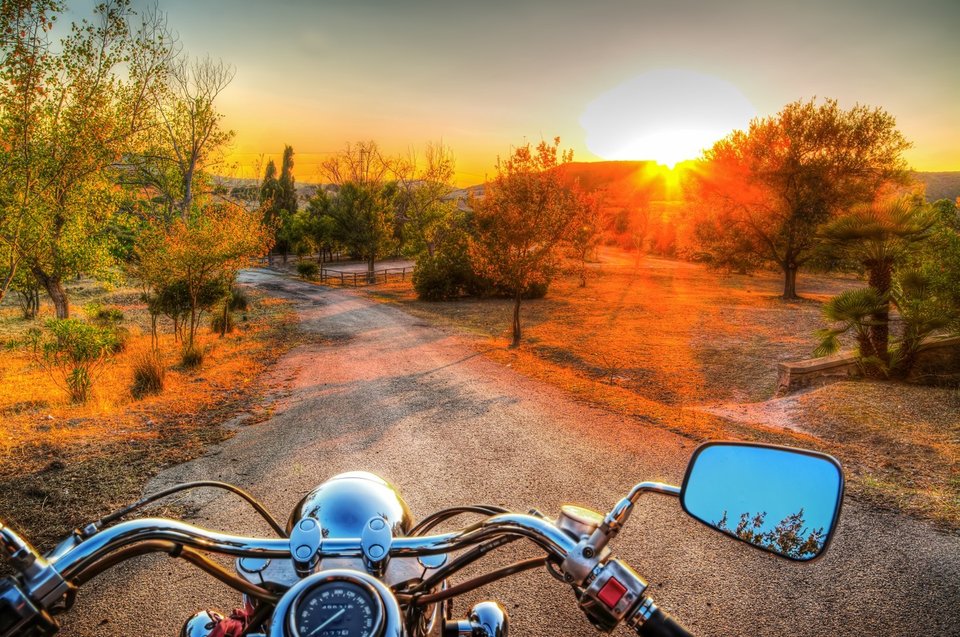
[[125, 338], [63, 462]]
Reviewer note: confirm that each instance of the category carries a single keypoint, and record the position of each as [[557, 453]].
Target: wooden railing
[[357, 278]]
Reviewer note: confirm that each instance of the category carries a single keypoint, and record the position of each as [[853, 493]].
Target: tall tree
[[69, 115], [287, 183], [776, 183], [270, 196], [189, 136], [424, 202], [286, 205], [524, 214]]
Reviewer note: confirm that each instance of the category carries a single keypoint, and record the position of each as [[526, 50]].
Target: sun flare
[[666, 115]]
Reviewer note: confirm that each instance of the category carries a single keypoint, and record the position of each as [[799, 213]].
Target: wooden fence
[[357, 278]]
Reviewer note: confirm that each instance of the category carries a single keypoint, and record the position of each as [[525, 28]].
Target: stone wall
[[938, 362]]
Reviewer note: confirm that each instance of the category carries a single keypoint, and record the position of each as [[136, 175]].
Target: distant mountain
[[941, 185]]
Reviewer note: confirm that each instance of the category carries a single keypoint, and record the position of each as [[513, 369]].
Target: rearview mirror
[[785, 501]]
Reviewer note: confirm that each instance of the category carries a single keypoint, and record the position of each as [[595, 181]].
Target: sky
[[486, 76]]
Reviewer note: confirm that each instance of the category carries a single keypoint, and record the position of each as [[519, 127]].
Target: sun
[[667, 115]]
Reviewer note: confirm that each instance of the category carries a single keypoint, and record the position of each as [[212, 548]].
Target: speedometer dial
[[338, 608]]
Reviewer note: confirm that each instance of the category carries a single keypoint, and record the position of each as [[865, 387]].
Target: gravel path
[[380, 391]]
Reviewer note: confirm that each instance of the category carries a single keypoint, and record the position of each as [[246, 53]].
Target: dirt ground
[[696, 351]]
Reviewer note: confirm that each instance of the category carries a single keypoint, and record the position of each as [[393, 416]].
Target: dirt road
[[379, 391]]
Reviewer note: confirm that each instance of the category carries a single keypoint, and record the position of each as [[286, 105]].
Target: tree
[[201, 256], [316, 226], [424, 202], [586, 230], [189, 136], [525, 213], [879, 236], [283, 207], [884, 237], [287, 184], [773, 185], [363, 215], [68, 117]]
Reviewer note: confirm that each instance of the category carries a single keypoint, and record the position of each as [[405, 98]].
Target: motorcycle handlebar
[[70, 562], [660, 624]]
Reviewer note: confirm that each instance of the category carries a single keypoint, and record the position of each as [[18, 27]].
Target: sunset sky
[[486, 75]]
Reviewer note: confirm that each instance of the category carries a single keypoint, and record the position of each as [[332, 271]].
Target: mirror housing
[[782, 500]]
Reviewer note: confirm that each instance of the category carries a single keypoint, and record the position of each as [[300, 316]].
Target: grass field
[[675, 344], [63, 464]]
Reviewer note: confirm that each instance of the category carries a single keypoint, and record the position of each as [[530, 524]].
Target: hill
[[940, 185]]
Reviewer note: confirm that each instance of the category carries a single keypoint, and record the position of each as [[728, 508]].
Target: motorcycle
[[351, 562]]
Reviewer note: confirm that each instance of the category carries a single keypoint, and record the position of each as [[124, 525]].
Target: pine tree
[[269, 198], [288, 188]]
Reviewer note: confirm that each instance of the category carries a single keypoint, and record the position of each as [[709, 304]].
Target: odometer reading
[[337, 609]]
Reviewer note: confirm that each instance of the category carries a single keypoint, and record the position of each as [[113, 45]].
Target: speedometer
[[338, 608]]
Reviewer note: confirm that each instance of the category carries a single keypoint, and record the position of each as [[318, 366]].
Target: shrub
[[73, 352], [308, 269], [121, 336], [149, 374], [238, 299], [437, 279], [192, 357], [103, 316], [222, 323]]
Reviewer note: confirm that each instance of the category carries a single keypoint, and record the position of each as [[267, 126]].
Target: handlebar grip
[[661, 624]]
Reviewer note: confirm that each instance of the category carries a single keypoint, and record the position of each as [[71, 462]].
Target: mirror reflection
[[780, 500]]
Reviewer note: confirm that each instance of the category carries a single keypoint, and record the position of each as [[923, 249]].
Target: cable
[[483, 580], [253, 502], [434, 519], [174, 550], [462, 561]]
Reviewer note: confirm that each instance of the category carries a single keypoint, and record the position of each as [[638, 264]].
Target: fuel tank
[[343, 504]]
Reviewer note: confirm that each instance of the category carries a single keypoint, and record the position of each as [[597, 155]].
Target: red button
[[611, 593]]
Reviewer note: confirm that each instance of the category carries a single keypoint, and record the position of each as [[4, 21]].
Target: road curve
[[378, 390]]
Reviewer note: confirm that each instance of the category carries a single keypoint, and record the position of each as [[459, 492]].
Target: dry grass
[[63, 464], [660, 342]]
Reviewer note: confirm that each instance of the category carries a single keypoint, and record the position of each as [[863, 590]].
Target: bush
[[437, 279], [308, 269], [121, 336], [149, 375], [103, 316], [73, 353], [192, 357], [222, 323], [238, 299]]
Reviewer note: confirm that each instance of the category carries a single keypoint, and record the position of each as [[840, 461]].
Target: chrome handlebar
[[72, 561], [583, 561]]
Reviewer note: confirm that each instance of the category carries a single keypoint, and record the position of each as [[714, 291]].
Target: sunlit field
[[678, 345], [58, 458]]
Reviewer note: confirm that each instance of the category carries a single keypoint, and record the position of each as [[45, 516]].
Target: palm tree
[[879, 236]]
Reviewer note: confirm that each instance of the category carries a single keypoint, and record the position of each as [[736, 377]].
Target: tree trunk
[[516, 319], [790, 281], [881, 280], [54, 287], [371, 276]]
